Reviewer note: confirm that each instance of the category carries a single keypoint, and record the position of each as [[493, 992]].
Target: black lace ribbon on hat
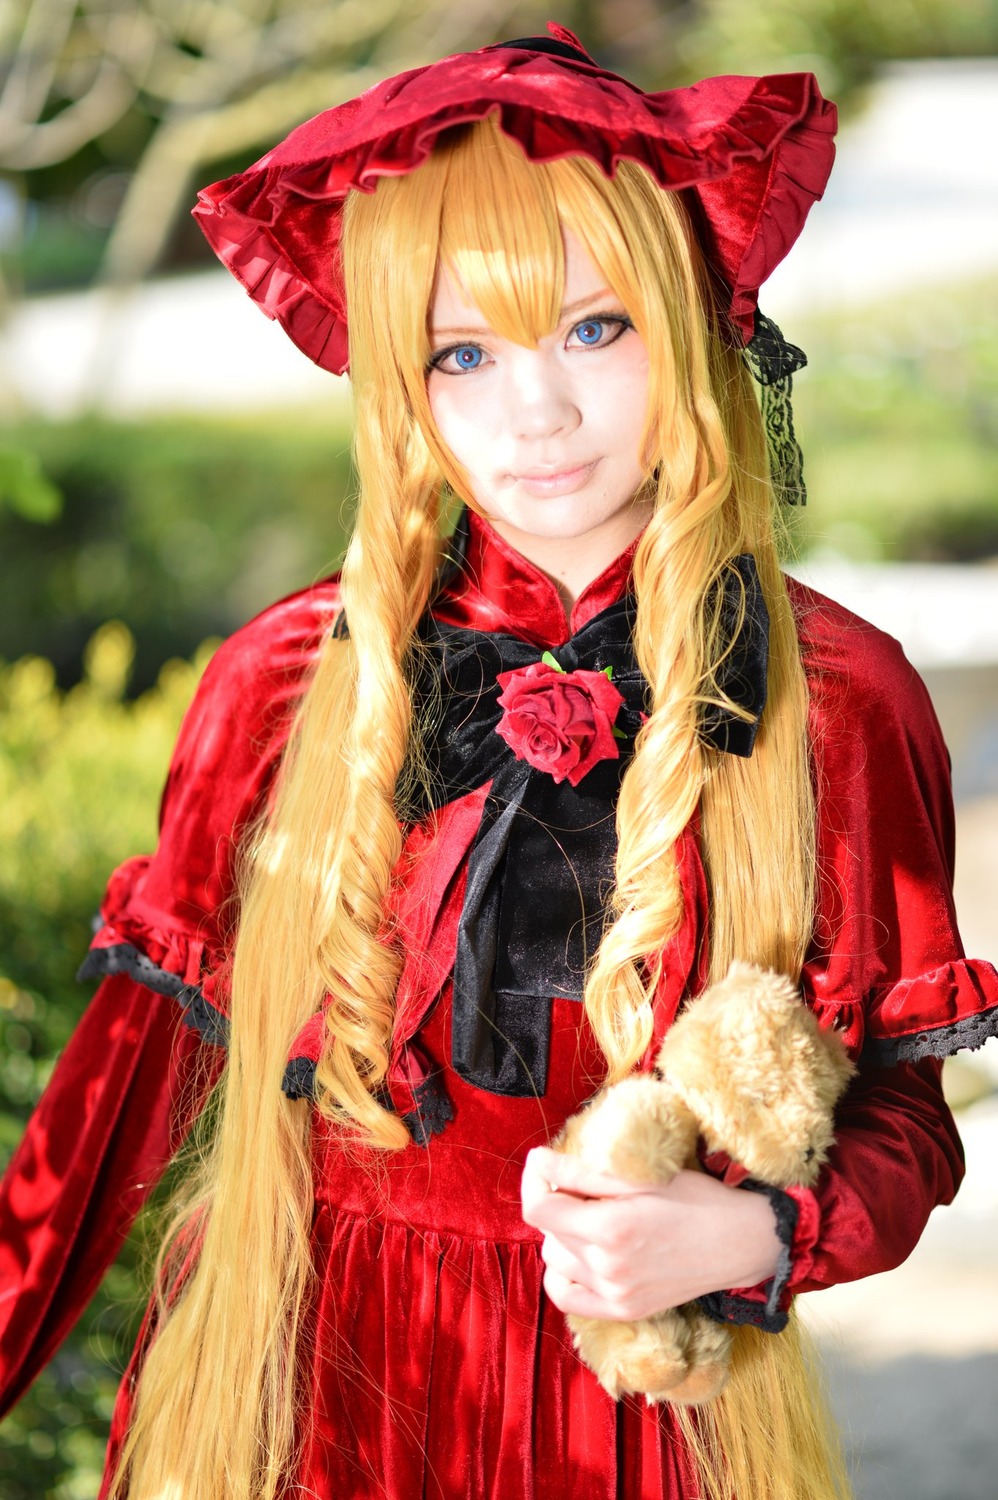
[[541, 866], [773, 361]]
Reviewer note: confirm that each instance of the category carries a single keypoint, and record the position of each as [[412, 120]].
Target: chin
[[556, 522]]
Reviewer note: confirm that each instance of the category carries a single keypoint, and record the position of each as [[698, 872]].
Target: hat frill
[[755, 152]]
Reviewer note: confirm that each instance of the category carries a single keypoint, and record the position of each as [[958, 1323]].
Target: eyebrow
[[566, 312]]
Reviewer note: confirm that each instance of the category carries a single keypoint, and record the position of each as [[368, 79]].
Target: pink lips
[[544, 482]]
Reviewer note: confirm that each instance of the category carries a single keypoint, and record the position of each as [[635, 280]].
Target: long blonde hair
[[218, 1398]]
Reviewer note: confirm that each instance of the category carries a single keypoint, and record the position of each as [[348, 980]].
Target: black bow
[[542, 864]]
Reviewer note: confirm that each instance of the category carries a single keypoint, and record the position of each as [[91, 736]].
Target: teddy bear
[[747, 1067]]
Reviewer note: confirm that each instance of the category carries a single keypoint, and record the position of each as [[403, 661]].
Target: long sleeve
[[116, 1108], [146, 1053], [897, 1155], [886, 968]]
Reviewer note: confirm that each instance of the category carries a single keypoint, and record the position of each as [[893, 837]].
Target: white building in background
[[913, 196]]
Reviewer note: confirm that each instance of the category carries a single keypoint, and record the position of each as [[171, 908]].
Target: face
[[549, 436]]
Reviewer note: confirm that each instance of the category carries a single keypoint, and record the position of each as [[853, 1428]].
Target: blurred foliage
[[25, 488], [845, 42], [180, 528], [80, 776], [898, 418], [109, 109]]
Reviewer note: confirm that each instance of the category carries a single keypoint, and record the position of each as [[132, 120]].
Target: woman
[[459, 849]]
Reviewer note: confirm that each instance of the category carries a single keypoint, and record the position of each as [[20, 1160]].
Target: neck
[[572, 563]]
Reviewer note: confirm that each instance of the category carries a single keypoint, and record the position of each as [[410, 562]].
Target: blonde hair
[[216, 1413]]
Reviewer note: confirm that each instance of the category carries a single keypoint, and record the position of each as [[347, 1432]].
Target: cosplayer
[[451, 842]]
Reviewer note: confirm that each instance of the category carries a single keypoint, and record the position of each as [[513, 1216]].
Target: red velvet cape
[[438, 1365]]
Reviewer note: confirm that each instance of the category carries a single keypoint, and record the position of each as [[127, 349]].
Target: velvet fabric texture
[[437, 1365], [750, 155]]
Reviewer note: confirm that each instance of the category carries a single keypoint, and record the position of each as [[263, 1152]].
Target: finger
[[561, 1258], [568, 1174], [587, 1265], [583, 1272], [572, 1297], [535, 1191], [563, 1214], [584, 1223]]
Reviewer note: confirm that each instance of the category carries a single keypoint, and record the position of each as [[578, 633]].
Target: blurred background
[[169, 464]]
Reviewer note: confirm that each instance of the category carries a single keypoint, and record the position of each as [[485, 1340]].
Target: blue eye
[[458, 359], [467, 356], [601, 332]]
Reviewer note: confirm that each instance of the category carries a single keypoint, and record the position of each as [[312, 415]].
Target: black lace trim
[[773, 361], [203, 1017], [940, 1041], [726, 1307], [124, 958], [433, 1110]]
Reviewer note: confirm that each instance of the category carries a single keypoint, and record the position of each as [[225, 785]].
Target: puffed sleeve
[[145, 1054], [886, 967]]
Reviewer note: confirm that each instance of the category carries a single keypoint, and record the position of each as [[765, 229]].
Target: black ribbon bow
[[542, 863]]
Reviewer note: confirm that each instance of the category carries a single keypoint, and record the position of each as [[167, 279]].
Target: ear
[[638, 1130]]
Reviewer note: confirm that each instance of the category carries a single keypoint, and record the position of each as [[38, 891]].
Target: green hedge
[[898, 416], [180, 528], [80, 778]]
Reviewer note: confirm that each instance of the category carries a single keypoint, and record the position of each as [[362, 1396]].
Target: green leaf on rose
[[618, 734], [550, 661], [608, 673]]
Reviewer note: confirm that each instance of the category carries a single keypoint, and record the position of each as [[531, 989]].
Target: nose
[[539, 397]]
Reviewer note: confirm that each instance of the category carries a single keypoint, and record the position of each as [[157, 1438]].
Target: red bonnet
[[754, 152]]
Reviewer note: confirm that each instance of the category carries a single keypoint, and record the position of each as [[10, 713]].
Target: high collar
[[496, 588]]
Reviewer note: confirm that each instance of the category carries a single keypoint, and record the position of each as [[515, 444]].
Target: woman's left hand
[[613, 1249]]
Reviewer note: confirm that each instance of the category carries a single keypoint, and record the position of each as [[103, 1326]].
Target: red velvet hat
[[754, 153]]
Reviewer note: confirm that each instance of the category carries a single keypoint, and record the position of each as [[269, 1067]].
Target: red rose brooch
[[557, 721]]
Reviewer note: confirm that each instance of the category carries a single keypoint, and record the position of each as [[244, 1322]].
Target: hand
[[613, 1249]]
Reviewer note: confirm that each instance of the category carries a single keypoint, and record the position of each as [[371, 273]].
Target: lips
[[556, 481]]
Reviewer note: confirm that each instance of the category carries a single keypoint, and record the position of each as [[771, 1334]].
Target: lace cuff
[[764, 1306], [111, 954]]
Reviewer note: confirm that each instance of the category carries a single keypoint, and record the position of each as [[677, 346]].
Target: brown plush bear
[[747, 1067]]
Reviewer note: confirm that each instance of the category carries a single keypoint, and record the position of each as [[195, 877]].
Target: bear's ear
[[637, 1130], [762, 1079]]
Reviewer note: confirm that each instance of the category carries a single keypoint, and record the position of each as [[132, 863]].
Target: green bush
[[898, 419], [180, 528], [80, 777]]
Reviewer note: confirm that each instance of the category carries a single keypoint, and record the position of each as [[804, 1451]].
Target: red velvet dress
[[438, 1366]]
